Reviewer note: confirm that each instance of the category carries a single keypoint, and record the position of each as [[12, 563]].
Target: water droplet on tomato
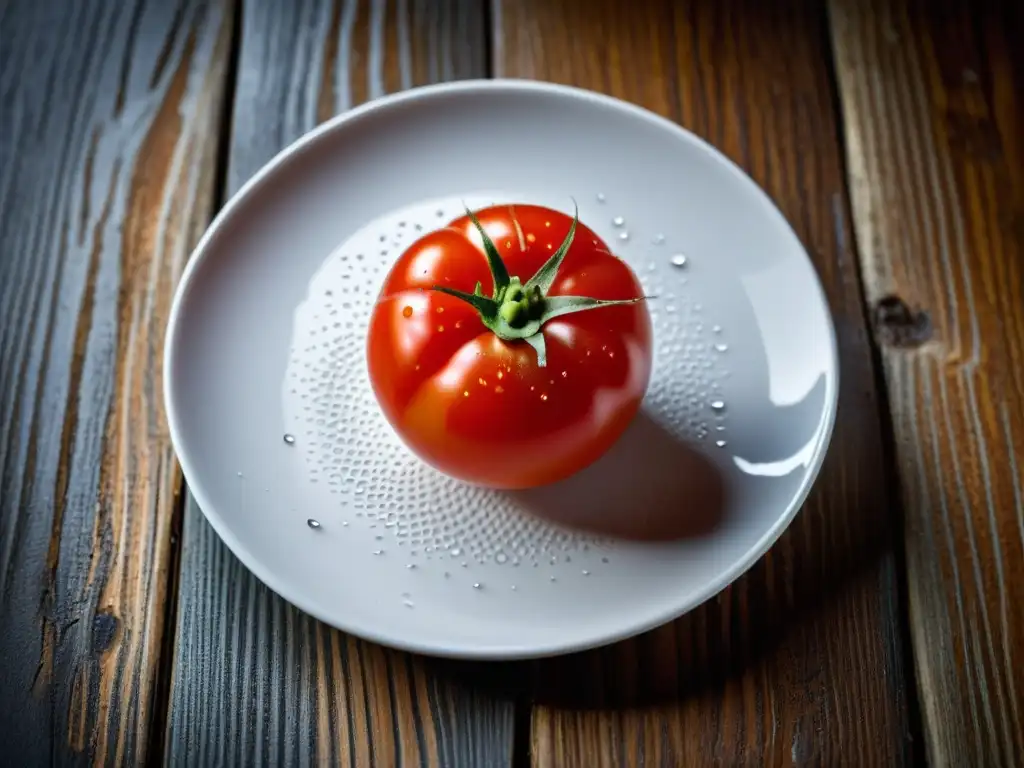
[[465, 393], [543, 397], [440, 310], [500, 374], [483, 381], [289, 439], [499, 389], [440, 329], [314, 524], [407, 312], [618, 221], [531, 238], [678, 260]]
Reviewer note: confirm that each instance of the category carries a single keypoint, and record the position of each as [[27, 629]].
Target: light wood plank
[[800, 663], [108, 118], [257, 682], [933, 101]]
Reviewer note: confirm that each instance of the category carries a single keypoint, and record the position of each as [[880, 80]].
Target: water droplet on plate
[[718, 405], [679, 260], [378, 551], [623, 235], [477, 585], [721, 347], [658, 239], [600, 197], [314, 524], [289, 439], [618, 221], [720, 443]]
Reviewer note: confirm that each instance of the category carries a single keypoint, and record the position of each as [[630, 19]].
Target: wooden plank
[[933, 99], [108, 113], [801, 661], [257, 682]]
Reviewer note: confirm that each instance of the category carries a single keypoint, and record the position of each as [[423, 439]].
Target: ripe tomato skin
[[479, 408]]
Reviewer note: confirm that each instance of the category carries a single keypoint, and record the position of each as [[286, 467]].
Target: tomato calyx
[[517, 311]]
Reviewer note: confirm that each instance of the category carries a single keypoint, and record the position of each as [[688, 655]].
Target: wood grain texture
[[800, 662], [933, 98], [108, 115], [256, 681]]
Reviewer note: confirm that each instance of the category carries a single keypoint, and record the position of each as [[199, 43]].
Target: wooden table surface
[[885, 628]]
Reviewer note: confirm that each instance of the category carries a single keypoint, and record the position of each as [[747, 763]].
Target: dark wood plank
[[800, 662], [108, 119], [257, 682], [933, 99]]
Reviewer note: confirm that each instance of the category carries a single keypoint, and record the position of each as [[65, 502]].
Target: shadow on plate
[[648, 487]]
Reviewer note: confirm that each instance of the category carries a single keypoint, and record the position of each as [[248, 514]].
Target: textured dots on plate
[[374, 479]]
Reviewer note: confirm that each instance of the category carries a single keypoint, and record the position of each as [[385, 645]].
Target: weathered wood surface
[[933, 99], [801, 661], [108, 132], [256, 681]]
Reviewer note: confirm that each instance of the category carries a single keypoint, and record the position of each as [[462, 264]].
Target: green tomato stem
[[517, 311]]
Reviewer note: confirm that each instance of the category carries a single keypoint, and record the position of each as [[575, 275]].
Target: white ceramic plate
[[267, 338]]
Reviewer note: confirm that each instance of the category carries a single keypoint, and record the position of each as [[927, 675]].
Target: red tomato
[[519, 386]]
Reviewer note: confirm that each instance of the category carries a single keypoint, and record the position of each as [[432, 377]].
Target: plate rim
[[463, 650]]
